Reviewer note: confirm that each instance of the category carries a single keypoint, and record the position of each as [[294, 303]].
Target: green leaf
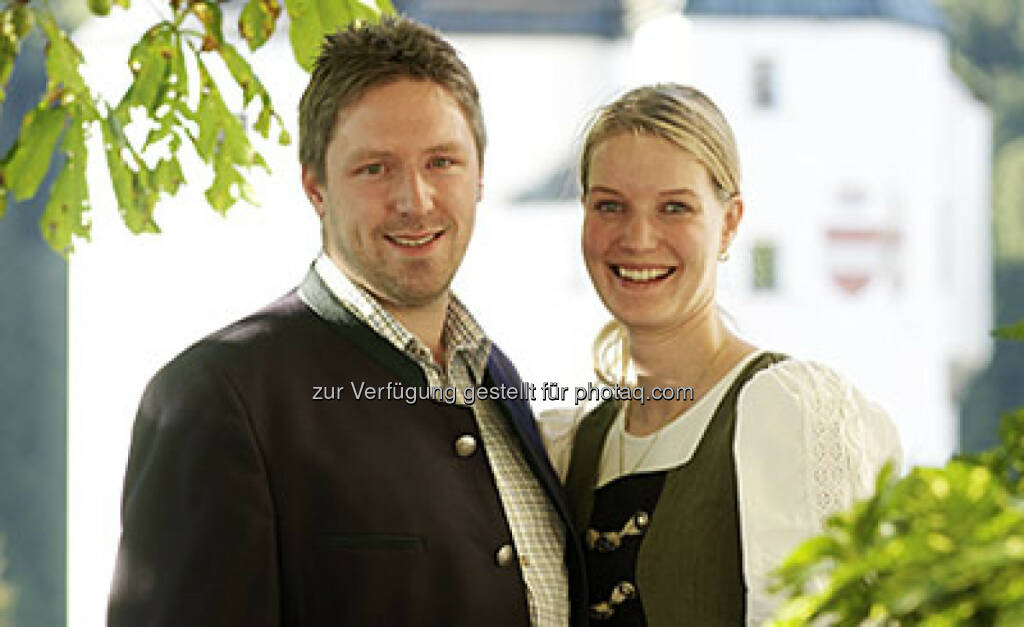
[[3, 201], [242, 72], [1011, 617], [257, 21], [385, 7], [136, 198], [262, 125], [62, 60], [208, 12], [169, 175], [15, 24], [208, 116], [30, 160], [165, 128], [9, 49], [251, 87], [310, 21], [1013, 331], [99, 7], [219, 129], [226, 188], [65, 210], [222, 140], [361, 12], [20, 18], [153, 62]]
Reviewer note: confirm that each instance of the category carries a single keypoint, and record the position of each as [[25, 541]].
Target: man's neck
[[426, 322]]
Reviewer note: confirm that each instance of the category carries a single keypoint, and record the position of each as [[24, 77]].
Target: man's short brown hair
[[367, 55]]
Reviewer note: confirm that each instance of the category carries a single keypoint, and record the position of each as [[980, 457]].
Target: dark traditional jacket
[[249, 502]]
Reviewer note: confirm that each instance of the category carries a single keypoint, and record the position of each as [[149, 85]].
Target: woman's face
[[653, 230]]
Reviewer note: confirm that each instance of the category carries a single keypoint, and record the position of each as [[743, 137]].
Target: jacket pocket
[[375, 542]]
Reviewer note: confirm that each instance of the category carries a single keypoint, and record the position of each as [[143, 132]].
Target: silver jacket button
[[505, 555], [465, 445]]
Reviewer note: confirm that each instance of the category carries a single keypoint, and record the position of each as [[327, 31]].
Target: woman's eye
[[371, 168], [608, 206], [677, 207]]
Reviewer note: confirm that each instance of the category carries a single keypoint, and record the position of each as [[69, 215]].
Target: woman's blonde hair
[[685, 117]]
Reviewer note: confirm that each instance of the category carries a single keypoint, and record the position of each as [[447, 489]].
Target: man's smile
[[418, 239]]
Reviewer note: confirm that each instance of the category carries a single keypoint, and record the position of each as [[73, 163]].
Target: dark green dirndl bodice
[[674, 556]]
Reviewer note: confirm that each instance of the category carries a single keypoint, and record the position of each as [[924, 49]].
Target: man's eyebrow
[[447, 147], [368, 153]]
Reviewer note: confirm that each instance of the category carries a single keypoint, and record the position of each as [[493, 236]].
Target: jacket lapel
[[518, 412], [315, 293]]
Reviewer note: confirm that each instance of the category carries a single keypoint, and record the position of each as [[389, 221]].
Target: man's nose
[[412, 194], [640, 234]]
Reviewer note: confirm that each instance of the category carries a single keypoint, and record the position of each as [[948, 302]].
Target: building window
[[764, 84], [765, 267]]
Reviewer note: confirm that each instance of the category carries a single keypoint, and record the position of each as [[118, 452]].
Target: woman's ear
[[731, 221]]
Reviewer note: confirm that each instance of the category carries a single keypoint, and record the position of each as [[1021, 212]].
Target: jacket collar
[[319, 298]]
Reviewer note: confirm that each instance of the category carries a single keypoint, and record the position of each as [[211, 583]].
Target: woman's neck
[[694, 354]]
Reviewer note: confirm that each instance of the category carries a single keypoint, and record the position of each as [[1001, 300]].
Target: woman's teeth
[[642, 274]]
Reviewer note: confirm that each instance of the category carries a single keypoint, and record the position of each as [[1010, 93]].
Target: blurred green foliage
[[987, 52], [167, 64], [6, 592], [986, 39], [942, 546]]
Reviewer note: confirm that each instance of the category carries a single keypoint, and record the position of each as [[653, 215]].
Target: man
[[279, 474]]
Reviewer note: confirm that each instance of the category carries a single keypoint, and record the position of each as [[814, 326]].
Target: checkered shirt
[[536, 530]]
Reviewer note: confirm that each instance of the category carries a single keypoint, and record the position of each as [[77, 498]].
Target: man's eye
[[608, 206], [371, 168], [440, 162]]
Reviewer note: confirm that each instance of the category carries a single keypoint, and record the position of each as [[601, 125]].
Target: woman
[[685, 506]]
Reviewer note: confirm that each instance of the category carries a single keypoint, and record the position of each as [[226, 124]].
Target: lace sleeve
[[808, 444], [847, 438]]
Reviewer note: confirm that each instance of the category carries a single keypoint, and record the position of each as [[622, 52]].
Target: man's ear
[[731, 220], [314, 191], [480, 190]]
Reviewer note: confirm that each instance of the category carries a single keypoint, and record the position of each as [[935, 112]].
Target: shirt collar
[[461, 332]]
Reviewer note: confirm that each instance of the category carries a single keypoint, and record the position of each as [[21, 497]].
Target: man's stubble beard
[[399, 288]]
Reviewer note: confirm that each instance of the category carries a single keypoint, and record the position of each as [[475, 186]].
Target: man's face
[[398, 199]]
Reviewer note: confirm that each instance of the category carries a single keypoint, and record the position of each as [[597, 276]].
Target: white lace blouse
[[808, 444]]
